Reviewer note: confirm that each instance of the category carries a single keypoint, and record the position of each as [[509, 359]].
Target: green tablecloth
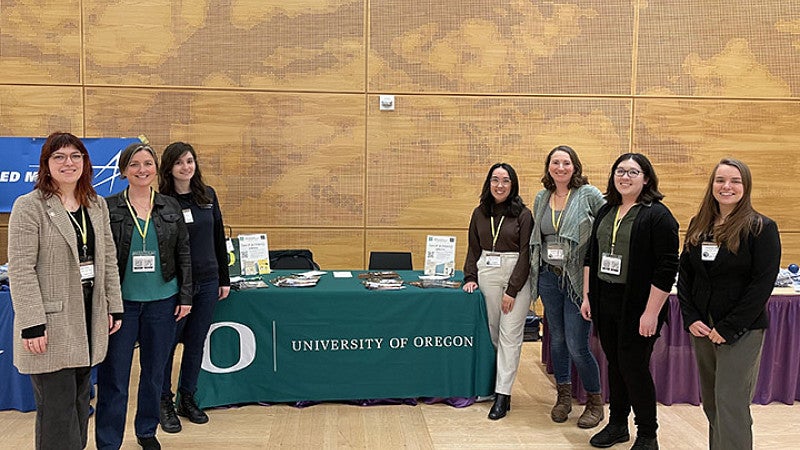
[[339, 341]]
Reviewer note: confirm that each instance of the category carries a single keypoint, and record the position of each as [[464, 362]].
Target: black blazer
[[733, 289], [653, 261]]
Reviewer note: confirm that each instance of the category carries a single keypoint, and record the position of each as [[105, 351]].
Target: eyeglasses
[[497, 181], [61, 158], [632, 173]]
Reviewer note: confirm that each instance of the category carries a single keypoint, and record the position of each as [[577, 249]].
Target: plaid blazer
[[45, 281]]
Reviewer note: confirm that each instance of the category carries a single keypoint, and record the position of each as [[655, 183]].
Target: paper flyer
[[440, 255]]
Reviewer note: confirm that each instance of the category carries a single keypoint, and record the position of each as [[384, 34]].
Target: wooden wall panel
[[687, 138], [414, 241], [274, 44], [428, 159], [501, 46], [275, 159], [39, 110], [333, 249], [725, 49], [40, 42]]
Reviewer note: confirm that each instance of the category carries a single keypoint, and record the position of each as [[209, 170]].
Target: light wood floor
[[331, 426]]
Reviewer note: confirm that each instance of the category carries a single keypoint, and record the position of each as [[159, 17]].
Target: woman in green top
[[155, 270]]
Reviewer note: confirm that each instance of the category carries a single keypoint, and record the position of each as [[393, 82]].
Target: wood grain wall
[[281, 101]]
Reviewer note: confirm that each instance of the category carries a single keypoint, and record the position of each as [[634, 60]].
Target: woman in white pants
[[498, 263]]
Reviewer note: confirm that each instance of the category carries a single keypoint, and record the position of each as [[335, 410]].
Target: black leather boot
[[167, 418], [502, 403], [610, 435], [187, 407], [645, 443]]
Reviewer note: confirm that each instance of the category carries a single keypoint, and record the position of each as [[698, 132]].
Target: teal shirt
[[146, 286]]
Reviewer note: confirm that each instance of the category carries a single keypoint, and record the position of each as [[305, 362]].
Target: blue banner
[[19, 165]]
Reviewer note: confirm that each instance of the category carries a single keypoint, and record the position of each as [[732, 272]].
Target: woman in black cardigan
[[630, 268], [730, 259]]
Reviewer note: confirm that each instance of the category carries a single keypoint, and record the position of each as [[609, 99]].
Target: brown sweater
[[515, 235]]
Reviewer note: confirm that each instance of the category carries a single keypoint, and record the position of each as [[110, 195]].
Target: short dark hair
[[84, 191], [650, 192], [127, 154], [514, 201], [578, 178]]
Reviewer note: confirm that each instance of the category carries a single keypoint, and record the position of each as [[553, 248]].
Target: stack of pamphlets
[[244, 283], [381, 281], [305, 279]]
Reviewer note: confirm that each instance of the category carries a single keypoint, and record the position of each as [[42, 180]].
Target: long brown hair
[[743, 220], [166, 182], [578, 178], [84, 191]]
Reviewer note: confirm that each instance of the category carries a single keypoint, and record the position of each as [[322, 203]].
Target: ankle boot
[[501, 406], [169, 421], [593, 412], [610, 435], [563, 404], [187, 407], [645, 443]]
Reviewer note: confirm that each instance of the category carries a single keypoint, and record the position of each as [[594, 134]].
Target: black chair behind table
[[292, 259], [390, 261]]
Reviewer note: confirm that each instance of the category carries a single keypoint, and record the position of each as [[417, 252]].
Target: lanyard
[[496, 233], [83, 229], [617, 221], [557, 224], [142, 233]]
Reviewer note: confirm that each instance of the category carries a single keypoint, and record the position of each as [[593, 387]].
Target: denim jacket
[[173, 239]]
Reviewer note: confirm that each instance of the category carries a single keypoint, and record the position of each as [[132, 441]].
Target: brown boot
[[593, 412], [563, 404]]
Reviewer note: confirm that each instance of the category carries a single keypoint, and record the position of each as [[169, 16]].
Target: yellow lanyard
[[83, 229], [557, 224], [617, 221], [496, 233], [142, 233]]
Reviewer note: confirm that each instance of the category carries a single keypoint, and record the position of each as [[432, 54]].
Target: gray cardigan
[[575, 230]]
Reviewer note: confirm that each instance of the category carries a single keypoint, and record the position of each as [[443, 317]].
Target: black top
[[730, 293], [207, 239]]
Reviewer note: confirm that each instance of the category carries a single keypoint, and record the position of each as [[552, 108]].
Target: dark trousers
[[192, 331], [62, 408], [152, 324], [628, 353]]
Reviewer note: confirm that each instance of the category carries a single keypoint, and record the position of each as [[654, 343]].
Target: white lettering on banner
[[9, 176], [322, 345], [31, 177], [443, 341], [247, 348]]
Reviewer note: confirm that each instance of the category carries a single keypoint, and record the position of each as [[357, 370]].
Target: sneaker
[[148, 443], [610, 435]]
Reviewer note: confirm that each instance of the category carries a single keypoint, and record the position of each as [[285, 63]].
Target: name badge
[[87, 270], [144, 262], [187, 216], [555, 252], [611, 264], [492, 260], [708, 251], [229, 244]]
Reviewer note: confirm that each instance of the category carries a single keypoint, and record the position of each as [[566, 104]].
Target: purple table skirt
[[674, 367]]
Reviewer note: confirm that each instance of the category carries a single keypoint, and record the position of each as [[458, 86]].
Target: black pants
[[62, 408], [628, 353]]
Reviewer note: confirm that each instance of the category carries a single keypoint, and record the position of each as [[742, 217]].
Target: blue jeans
[[192, 331], [569, 333], [152, 324]]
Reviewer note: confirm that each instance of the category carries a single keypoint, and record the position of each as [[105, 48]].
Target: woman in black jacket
[[730, 259], [155, 272], [630, 268]]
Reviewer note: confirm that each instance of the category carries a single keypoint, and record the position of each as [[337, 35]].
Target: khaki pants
[[506, 330]]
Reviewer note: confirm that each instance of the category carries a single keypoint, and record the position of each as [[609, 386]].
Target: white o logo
[[247, 348]]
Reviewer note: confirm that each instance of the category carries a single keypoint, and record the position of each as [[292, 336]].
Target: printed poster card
[[440, 255], [254, 254]]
